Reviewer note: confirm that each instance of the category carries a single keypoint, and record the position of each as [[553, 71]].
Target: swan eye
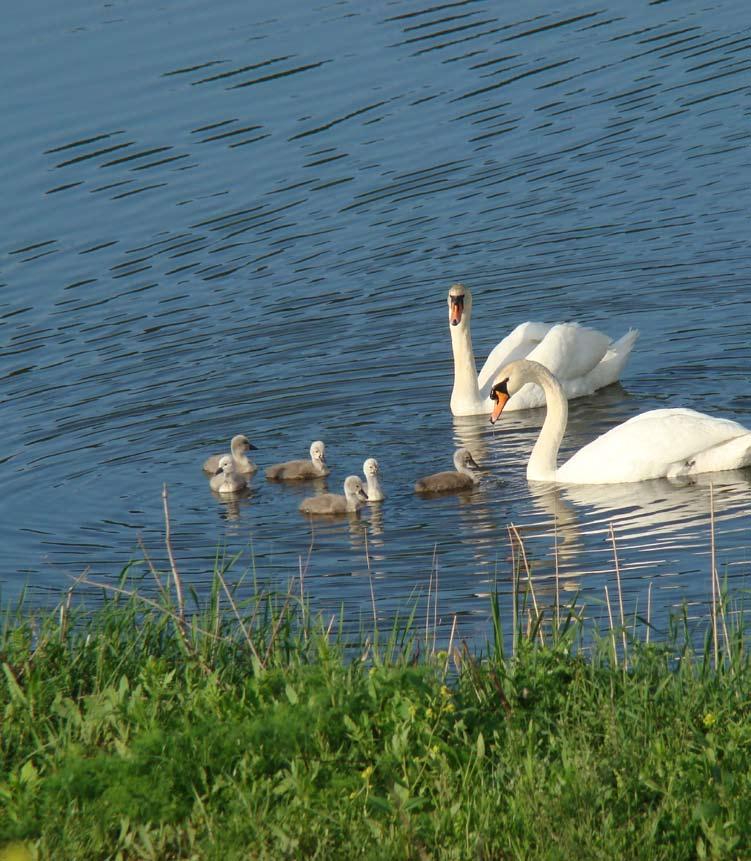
[[458, 300]]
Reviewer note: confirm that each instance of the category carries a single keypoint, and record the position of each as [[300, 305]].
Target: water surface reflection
[[226, 221]]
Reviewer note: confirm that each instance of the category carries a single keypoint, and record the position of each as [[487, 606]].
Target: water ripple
[[214, 227]]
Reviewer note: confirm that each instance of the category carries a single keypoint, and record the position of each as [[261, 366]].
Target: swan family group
[[536, 365]]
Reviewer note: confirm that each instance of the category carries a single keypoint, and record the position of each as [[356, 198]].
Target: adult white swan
[[656, 444], [583, 359]]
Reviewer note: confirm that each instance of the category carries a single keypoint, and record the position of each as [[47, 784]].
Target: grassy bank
[[140, 731]]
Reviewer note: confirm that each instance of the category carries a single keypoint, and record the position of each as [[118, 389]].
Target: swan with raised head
[[583, 359], [465, 477], [334, 503], [372, 472], [238, 446], [665, 443], [227, 479], [301, 470]]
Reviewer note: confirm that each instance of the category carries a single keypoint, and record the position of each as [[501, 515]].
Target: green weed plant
[[143, 730]]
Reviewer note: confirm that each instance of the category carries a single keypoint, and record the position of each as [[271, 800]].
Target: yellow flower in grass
[[366, 773], [710, 719]]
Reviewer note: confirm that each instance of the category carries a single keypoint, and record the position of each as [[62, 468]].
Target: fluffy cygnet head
[[226, 478], [318, 453], [460, 304], [240, 444], [465, 463], [354, 491], [370, 467], [226, 465]]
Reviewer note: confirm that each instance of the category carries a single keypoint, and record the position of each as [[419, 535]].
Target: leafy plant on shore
[[234, 731]]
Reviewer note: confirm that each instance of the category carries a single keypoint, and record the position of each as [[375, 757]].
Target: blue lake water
[[244, 218]]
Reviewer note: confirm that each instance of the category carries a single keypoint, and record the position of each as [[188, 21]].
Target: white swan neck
[[466, 390], [543, 460]]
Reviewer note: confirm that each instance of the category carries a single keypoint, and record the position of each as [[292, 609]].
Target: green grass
[[139, 731]]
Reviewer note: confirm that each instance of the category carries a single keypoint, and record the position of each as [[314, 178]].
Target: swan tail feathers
[[625, 343], [606, 361], [608, 371]]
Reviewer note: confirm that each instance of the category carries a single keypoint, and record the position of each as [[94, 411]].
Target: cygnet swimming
[[239, 445], [372, 471], [332, 503], [465, 477], [227, 479], [301, 470]]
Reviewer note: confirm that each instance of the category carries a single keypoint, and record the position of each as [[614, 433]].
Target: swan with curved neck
[[583, 359], [656, 444]]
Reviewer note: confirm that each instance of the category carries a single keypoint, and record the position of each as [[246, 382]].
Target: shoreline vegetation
[[159, 727]]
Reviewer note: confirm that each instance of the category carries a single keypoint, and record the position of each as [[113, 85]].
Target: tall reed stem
[[620, 595], [717, 597], [612, 628], [173, 564], [557, 576], [713, 574], [528, 572]]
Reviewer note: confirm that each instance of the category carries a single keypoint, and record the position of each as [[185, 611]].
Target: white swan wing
[[609, 369], [518, 344], [583, 359], [648, 445], [571, 351]]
